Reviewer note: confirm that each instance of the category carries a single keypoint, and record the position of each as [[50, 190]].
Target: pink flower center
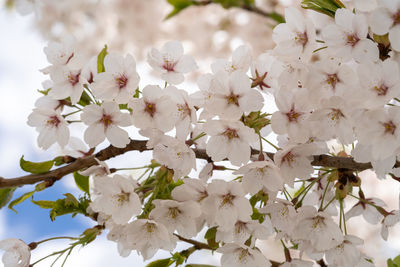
[[73, 78], [169, 65], [121, 81], [150, 108], [301, 38], [106, 120], [53, 121], [396, 17], [336, 114], [389, 127], [288, 158], [227, 199], [332, 80], [233, 99], [293, 115], [231, 133], [352, 39], [184, 110], [381, 90]]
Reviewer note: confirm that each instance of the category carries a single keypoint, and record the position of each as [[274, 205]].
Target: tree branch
[[250, 8], [140, 145]]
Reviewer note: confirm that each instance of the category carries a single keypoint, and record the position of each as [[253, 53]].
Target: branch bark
[[140, 145]]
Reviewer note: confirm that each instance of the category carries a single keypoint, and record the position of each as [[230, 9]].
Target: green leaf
[[85, 99], [6, 195], [327, 7], [137, 92], [397, 260], [210, 237], [160, 263], [44, 204], [178, 5], [100, 60], [44, 92], [35, 167], [20, 200], [390, 263], [82, 182]]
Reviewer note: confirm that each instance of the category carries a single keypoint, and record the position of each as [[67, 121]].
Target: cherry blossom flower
[[115, 196], [104, 121], [265, 71], [386, 19], [296, 37], [171, 63], [154, 110], [292, 116], [231, 96], [119, 81], [379, 82], [379, 129], [227, 204], [17, 253], [229, 139], [258, 174], [318, 228], [345, 254], [242, 230], [334, 120], [347, 38], [234, 255], [173, 153], [241, 60], [185, 111], [283, 216], [51, 125], [294, 161], [176, 215], [370, 213], [148, 236], [67, 83]]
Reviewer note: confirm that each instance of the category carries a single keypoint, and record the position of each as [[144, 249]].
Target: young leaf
[[178, 5], [20, 200], [160, 263], [6, 195], [82, 182], [35, 167], [44, 204], [100, 60]]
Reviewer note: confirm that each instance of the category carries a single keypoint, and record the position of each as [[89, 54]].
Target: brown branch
[[250, 8], [140, 145], [196, 244]]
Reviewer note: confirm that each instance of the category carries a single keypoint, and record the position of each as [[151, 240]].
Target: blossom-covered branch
[[140, 145]]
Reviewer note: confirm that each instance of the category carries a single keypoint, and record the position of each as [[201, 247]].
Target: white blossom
[[17, 253], [171, 63]]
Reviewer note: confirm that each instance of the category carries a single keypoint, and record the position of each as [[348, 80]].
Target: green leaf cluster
[[67, 205], [327, 7], [256, 120], [394, 263]]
